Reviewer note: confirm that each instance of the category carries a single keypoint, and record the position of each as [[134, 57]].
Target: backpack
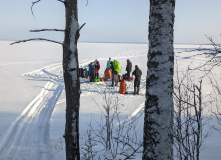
[[117, 66], [107, 73], [137, 72], [122, 89], [96, 80]]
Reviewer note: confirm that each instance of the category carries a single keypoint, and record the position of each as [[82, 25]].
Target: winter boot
[[112, 83], [135, 90], [138, 89]]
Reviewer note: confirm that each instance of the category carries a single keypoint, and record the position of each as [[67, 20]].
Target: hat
[[128, 60], [136, 66], [95, 60]]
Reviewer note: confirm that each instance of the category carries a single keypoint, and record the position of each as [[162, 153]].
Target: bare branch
[[81, 26], [33, 3], [61, 1], [41, 30], [36, 39]]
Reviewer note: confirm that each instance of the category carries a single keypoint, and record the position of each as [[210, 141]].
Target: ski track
[[31, 128], [137, 114]]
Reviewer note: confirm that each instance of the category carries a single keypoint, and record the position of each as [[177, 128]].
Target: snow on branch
[[41, 30], [36, 39]]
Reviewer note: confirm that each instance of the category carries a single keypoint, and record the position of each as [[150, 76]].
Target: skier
[[137, 73]]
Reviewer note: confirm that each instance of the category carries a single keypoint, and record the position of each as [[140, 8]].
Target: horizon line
[[187, 43]]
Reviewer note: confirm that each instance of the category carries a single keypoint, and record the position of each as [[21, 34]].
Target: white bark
[[71, 79], [158, 119]]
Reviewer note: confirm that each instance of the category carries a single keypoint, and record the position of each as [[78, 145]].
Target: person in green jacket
[[116, 68]]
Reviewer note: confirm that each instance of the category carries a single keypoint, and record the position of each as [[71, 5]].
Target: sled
[[128, 79]]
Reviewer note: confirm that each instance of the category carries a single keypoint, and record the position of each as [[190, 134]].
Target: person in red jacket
[[97, 67]]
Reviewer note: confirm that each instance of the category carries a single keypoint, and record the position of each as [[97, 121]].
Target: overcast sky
[[110, 20]]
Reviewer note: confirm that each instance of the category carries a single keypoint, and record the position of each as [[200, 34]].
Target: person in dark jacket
[[97, 67], [128, 68], [137, 73]]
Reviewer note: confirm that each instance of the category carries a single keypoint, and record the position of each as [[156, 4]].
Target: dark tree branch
[[36, 39], [212, 54], [216, 47], [33, 3], [61, 1], [41, 30], [81, 26]]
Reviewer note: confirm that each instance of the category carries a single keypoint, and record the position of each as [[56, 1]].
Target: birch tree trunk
[[158, 120], [71, 80]]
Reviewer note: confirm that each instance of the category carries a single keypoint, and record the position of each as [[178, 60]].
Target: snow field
[[33, 109]]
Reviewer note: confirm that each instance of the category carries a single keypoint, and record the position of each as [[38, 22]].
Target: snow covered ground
[[32, 98]]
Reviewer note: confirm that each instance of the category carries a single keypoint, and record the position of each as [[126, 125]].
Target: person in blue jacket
[[109, 63], [91, 72]]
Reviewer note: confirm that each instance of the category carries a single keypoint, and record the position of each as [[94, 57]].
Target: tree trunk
[[71, 80], [158, 120]]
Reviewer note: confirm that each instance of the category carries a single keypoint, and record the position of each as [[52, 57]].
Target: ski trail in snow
[[31, 128], [61, 101], [52, 72], [138, 113]]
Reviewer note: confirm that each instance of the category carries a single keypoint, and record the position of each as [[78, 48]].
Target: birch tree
[[71, 80], [158, 120], [71, 75]]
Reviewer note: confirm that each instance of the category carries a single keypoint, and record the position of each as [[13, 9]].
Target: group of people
[[115, 67]]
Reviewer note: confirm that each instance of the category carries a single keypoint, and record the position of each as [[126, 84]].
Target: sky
[[110, 20]]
